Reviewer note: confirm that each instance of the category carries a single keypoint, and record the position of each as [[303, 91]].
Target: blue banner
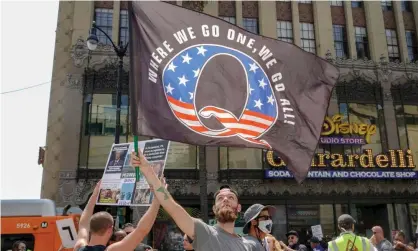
[[338, 140], [339, 174]]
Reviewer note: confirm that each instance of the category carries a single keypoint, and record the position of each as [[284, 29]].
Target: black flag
[[200, 80]]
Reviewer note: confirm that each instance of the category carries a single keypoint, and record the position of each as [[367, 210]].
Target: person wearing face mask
[[258, 223]]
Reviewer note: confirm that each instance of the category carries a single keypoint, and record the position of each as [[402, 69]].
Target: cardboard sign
[[67, 232], [317, 231]]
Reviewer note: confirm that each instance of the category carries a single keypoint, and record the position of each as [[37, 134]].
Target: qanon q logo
[[181, 79]]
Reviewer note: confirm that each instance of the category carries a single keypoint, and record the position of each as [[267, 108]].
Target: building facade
[[374, 43]]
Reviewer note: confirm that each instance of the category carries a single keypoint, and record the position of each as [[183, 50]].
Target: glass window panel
[[366, 114], [229, 19], [341, 209], [400, 122], [412, 45], [284, 31], [386, 5], [302, 217], [181, 156], [240, 158], [307, 37], [7, 241], [392, 43], [124, 28], [336, 3], [104, 20], [102, 128], [251, 24], [406, 6], [413, 210], [99, 123], [361, 42], [279, 222], [407, 123], [357, 4]]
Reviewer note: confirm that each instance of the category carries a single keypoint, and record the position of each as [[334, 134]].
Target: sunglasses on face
[[264, 217], [291, 237]]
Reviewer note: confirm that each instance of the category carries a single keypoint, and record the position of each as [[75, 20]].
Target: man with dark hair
[[117, 236], [348, 241], [205, 237], [258, 222], [316, 244], [128, 228], [95, 231], [399, 244]]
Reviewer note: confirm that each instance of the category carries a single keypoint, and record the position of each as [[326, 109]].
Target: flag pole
[[131, 70], [137, 171]]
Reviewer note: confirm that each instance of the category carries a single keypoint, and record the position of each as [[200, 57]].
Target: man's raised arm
[[177, 212], [84, 224], [143, 227]]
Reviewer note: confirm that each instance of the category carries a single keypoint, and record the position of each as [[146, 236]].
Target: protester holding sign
[[205, 237], [95, 230]]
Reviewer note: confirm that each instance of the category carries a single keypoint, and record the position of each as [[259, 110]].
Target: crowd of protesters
[[96, 231]]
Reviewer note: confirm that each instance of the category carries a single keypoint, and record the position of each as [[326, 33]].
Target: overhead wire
[[25, 88]]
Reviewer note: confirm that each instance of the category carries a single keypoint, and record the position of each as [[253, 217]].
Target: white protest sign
[[67, 232], [317, 231]]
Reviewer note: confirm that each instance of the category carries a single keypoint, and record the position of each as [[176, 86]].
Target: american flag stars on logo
[[181, 78]]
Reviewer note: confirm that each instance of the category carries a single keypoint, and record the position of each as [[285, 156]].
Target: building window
[[360, 102], [336, 3], [357, 4], [182, 156], [229, 19], [362, 43], [104, 20], [406, 111], [413, 216], [284, 31], [250, 24], [340, 41], [99, 128], [386, 5], [406, 6], [124, 28], [307, 37], [412, 45], [393, 48], [240, 158], [304, 1]]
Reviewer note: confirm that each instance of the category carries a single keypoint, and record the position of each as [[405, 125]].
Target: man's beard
[[225, 214]]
